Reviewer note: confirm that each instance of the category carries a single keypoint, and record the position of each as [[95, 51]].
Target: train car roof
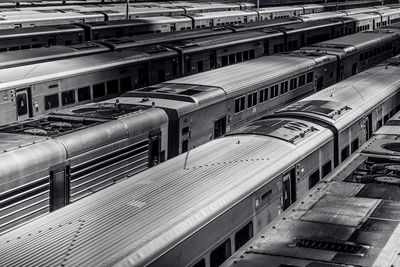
[[35, 55], [161, 19], [35, 31], [222, 14], [354, 43], [364, 16], [299, 27], [279, 9], [261, 24], [163, 37], [208, 87], [221, 41], [320, 16], [356, 95], [350, 218], [141, 224], [40, 72]]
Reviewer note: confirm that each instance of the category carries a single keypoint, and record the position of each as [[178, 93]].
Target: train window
[[68, 97], [310, 77], [99, 90], [354, 145], [246, 55], [224, 61], [239, 104], [385, 118], [231, 58], [212, 62], [274, 90], [302, 80], [284, 87], [313, 179], [276, 49], [252, 100], [243, 235], [185, 146], [199, 66], [185, 130], [220, 254], [112, 87], [263, 95], [22, 102], [200, 263], [293, 84], [126, 83], [51, 101], [379, 124], [345, 153], [326, 168], [239, 57], [252, 54], [84, 94], [188, 64], [161, 75], [36, 45]]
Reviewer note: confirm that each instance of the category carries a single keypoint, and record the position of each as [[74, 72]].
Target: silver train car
[[195, 114], [33, 17], [349, 219], [41, 88], [198, 208]]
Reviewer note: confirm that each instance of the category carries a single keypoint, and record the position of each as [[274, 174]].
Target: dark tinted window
[[112, 87], [220, 254], [68, 97], [126, 84], [51, 101], [22, 104], [345, 153], [326, 168], [99, 90], [84, 93], [243, 235], [354, 145], [200, 263], [314, 179]]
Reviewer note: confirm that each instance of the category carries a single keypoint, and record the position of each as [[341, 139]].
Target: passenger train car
[[222, 96], [33, 17], [43, 87], [351, 218], [198, 208]]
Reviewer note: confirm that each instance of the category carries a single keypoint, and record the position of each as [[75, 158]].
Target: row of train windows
[[84, 94], [362, 28], [315, 177], [379, 123], [345, 153], [15, 48], [376, 51], [223, 251], [285, 86], [384, 23]]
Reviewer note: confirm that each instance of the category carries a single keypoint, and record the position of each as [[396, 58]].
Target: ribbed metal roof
[[147, 214], [40, 72], [236, 78], [355, 95]]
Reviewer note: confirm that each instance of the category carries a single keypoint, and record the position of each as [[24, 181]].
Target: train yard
[[199, 133]]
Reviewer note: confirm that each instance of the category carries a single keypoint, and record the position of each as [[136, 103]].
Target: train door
[[154, 150], [320, 83], [289, 188], [142, 76], [354, 69], [220, 127], [59, 186], [22, 97], [172, 27], [368, 125]]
